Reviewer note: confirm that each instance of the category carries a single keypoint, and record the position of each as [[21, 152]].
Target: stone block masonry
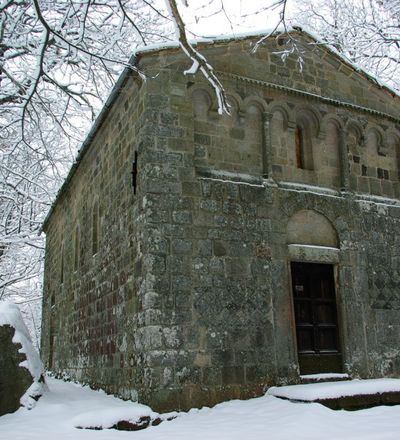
[[182, 296]]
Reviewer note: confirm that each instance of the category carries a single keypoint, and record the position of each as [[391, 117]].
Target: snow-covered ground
[[67, 405]]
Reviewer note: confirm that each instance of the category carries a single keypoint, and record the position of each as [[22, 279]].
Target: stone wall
[[187, 300], [226, 293], [94, 260], [223, 292]]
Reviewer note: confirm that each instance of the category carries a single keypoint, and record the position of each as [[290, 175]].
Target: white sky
[[216, 17]]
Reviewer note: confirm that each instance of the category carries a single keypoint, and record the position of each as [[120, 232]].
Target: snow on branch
[[280, 24], [199, 61], [365, 33], [58, 60]]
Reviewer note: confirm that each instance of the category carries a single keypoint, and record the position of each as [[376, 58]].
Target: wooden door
[[318, 342]]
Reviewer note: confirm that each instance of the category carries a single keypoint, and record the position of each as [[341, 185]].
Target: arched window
[[304, 133], [303, 142], [299, 139]]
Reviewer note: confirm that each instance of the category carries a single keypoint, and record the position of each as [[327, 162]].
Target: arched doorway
[[314, 244]]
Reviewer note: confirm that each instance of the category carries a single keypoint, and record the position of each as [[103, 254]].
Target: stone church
[[194, 257]]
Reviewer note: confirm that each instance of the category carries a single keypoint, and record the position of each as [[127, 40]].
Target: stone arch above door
[[308, 227]]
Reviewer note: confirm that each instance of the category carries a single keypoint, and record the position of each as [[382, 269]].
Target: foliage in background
[[58, 61], [367, 32]]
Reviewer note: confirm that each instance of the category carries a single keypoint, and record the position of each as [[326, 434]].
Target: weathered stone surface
[[188, 299], [14, 380]]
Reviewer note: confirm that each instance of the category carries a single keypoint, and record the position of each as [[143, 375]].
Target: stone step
[[324, 377], [350, 395], [361, 401]]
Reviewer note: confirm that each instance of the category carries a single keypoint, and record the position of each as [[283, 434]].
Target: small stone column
[[267, 146], [343, 161]]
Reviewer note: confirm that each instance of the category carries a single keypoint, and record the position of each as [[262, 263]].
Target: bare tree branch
[[199, 62]]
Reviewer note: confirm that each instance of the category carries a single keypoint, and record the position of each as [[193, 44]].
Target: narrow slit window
[[304, 145], [134, 172], [95, 229], [76, 249], [62, 265], [299, 139]]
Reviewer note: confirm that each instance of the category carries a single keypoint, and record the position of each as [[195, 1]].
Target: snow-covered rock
[[21, 371]]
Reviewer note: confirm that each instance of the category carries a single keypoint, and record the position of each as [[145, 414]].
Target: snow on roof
[[174, 44], [260, 33], [11, 315]]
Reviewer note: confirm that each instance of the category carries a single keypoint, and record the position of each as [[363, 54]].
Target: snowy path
[[257, 419]]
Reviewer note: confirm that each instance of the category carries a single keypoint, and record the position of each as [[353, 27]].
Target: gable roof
[[259, 34], [206, 41]]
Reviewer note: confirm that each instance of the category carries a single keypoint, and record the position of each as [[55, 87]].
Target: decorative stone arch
[[283, 111], [254, 101], [306, 132], [279, 122], [309, 227], [252, 105], [330, 119], [312, 116], [355, 137], [356, 126], [332, 145], [252, 111], [375, 140], [235, 107], [201, 96], [253, 115], [327, 123], [234, 98]]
